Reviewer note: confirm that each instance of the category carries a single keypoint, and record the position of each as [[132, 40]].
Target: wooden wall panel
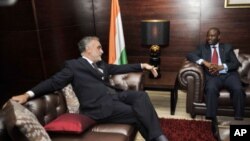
[[20, 62], [60, 44], [22, 53], [17, 17], [19, 52], [61, 13], [184, 19], [37, 36], [102, 21], [61, 24], [233, 23]]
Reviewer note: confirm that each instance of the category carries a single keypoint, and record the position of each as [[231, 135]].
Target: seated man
[[220, 68], [89, 76]]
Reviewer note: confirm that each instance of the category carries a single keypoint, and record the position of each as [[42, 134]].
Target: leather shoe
[[214, 126], [161, 138]]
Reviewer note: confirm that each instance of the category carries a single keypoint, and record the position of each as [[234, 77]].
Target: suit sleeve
[[231, 60], [120, 69], [195, 55], [55, 82]]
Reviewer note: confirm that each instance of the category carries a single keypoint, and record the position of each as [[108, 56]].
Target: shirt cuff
[[31, 94], [225, 70], [199, 61]]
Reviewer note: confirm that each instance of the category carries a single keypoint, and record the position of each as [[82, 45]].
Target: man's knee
[[236, 88], [142, 95], [211, 88]]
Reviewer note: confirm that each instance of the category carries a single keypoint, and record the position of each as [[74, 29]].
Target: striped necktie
[[111, 89], [97, 69]]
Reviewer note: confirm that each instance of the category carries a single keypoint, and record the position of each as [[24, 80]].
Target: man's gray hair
[[85, 41]]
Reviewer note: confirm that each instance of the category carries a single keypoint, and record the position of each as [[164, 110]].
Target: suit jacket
[[90, 87], [226, 52]]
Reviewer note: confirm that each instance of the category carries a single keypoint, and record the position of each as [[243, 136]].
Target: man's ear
[[87, 49]]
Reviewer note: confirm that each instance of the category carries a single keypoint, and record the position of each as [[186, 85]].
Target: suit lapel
[[88, 66], [208, 53], [222, 52], [102, 65]]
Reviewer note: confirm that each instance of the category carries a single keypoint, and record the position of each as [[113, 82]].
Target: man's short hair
[[216, 29], [82, 44]]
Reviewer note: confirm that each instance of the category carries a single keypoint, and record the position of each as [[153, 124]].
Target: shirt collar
[[216, 45], [90, 62]]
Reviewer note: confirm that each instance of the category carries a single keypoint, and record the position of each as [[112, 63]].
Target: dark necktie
[[214, 59], [97, 69], [111, 89]]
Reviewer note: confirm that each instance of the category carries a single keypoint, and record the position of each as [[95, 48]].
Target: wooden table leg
[[173, 100]]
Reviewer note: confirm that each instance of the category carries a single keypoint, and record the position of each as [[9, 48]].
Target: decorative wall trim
[[237, 4]]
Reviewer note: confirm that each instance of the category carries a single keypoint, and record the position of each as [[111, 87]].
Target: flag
[[117, 52]]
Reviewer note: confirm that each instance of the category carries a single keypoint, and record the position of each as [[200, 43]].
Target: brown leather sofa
[[44, 108], [191, 79]]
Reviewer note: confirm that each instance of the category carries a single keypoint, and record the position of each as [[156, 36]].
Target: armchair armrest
[[188, 71], [128, 81], [191, 78], [3, 131], [244, 69]]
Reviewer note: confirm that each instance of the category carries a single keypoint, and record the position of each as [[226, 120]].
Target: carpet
[[187, 130]]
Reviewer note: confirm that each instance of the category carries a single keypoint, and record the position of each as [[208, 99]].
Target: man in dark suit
[[89, 76], [220, 67]]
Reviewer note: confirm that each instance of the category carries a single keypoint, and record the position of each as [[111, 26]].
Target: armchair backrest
[[47, 107], [244, 69]]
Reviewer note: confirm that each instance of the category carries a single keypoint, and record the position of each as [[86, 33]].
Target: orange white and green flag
[[117, 52]]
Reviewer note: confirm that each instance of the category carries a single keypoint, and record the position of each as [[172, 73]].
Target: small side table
[[167, 82]]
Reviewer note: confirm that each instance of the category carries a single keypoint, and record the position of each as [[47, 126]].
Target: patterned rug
[[187, 130]]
